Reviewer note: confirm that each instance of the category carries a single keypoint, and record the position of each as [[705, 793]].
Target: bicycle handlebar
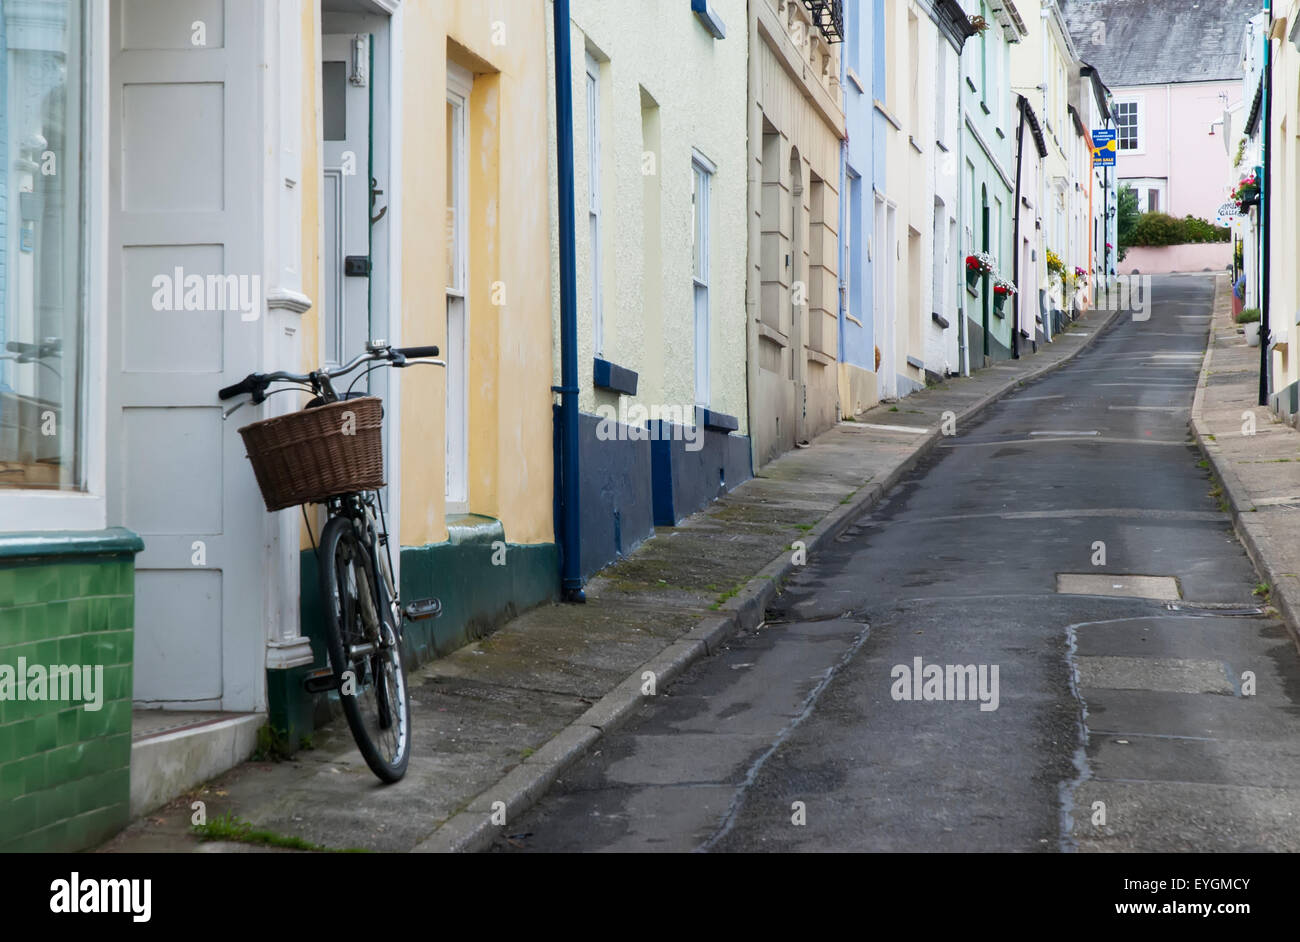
[[248, 384], [256, 383], [414, 352]]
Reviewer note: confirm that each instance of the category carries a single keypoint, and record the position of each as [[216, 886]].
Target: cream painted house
[[795, 131], [1043, 66], [1282, 211]]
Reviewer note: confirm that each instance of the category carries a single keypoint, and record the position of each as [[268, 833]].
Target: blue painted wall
[[861, 169]]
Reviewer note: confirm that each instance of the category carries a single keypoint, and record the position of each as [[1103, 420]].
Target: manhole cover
[[1164, 588], [1160, 674]]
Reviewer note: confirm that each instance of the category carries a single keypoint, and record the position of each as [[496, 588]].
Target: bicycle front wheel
[[364, 652]]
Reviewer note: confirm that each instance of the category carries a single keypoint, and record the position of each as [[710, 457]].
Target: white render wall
[[941, 349], [700, 86]]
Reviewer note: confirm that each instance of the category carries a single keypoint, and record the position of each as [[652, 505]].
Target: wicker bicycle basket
[[313, 454]]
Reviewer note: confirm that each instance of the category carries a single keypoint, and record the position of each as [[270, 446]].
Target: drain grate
[[1164, 588], [1215, 609]]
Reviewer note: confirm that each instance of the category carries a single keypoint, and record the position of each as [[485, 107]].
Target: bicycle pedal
[[423, 608], [320, 681]]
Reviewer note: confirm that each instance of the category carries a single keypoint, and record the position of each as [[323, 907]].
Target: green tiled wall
[[64, 770]]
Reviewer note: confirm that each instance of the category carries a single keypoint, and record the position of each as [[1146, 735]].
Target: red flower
[[1000, 290]]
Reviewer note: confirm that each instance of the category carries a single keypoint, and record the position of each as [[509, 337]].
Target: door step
[[174, 750]]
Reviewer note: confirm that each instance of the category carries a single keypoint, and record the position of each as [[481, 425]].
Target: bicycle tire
[[346, 562]]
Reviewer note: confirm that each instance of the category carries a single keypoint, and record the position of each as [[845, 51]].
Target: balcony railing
[[828, 16]]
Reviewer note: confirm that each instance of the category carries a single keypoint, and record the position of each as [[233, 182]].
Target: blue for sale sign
[[1104, 147]]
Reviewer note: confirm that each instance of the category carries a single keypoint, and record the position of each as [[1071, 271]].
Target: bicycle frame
[[361, 508]]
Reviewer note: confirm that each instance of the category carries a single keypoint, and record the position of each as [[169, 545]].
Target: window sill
[[709, 19], [611, 376], [42, 511], [887, 114]]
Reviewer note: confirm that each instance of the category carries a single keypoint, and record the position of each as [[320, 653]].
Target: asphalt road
[[1115, 723]]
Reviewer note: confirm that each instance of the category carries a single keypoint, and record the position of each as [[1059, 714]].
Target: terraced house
[[296, 150], [659, 209], [1042, 67], [988, 173], [795, 131], [916, 244]]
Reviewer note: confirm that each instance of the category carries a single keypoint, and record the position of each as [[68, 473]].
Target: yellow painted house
[[470, 454]]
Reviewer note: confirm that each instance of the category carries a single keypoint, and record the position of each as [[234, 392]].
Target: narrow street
[[791, 738]]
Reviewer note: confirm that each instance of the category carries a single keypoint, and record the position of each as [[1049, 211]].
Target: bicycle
[[331, 453]]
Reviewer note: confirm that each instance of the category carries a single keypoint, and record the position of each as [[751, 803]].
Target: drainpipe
[[1266, 187], [1015, 246], [570, 564], [963, 300]]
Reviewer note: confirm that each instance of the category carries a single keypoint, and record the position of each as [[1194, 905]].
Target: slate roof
[[1154, 42]]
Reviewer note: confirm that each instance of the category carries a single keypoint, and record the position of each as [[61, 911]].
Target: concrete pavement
[[1255, 457]]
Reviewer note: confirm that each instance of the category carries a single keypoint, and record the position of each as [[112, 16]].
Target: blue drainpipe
[[570, 568]]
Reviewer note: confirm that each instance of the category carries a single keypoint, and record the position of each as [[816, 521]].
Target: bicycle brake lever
[[233, 409]]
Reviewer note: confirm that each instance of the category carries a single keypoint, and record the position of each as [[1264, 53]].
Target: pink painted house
[[1171, 145], [1174, 68]]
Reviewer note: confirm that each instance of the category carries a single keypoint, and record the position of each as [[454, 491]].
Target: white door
[[185, 133], [346, 210], [885, 269]]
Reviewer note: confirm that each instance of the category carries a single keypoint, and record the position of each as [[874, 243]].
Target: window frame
[[595, 208], [1139, 125], [702, 169], [86, 508], [1144, 187], [456, 426]]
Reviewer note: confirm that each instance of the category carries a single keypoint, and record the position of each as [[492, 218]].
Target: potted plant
[[1002, 289], [1249, 318], [977, 266]]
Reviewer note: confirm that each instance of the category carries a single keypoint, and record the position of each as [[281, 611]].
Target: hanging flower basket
[[977, 266], [1002, 290], [1246, 192]]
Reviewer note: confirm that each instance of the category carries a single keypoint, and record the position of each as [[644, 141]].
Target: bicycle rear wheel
[[364, 652]]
